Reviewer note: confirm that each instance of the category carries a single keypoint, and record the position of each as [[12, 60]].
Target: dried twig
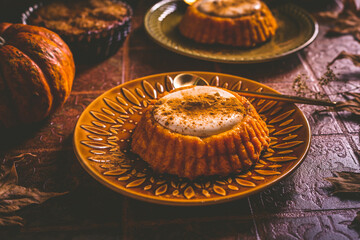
[[345, 182], [345, 22], [348, 184], [302, 89], [353, 57]]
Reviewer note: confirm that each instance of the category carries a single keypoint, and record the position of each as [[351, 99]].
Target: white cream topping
[[228, 8], [199, 111]]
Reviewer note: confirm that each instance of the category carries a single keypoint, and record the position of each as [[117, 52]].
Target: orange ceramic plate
[[103, 132]]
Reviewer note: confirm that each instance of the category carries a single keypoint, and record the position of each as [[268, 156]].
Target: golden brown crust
[[190, 156], [243, 31], [80, 17]]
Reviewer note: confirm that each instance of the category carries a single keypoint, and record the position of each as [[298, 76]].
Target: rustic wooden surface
[[299, 207]]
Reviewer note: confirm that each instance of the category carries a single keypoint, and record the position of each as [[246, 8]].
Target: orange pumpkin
[[36, 73]]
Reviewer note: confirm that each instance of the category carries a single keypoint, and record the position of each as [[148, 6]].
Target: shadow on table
[[15, 136]]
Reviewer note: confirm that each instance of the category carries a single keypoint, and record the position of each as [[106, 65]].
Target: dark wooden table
[[299, 207]]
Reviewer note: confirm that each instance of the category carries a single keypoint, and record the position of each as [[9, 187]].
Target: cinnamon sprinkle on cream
[[200, 111]]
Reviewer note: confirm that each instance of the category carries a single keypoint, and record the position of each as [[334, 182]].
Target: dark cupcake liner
[[94, 46]]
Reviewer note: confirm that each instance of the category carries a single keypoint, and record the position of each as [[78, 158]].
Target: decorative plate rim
[[165, 41], [85, 163]]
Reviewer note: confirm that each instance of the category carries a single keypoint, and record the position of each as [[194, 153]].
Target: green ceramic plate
[[297, 29]]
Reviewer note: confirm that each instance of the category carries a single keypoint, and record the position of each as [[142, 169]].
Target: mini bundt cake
[[241, 23], [200, 131]]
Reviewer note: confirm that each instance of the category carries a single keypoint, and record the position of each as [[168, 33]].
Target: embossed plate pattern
[[103, 133], [297, 29]]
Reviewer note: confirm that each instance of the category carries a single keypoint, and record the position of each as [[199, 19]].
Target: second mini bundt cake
[[200, 131], [241, 23]]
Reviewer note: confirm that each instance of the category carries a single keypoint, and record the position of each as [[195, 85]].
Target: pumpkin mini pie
[[240, 23], [200, 131], [93, 29]]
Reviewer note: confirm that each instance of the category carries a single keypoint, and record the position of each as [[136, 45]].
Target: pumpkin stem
[[2, 41]]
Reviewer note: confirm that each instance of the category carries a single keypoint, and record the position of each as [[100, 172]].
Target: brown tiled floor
[[298, 207]]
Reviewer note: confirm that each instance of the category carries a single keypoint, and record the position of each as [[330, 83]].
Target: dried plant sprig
[[327, 77], [344, 22], [347, 184], [302, 89], [353, 57], [300, 86], [352, 105]]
